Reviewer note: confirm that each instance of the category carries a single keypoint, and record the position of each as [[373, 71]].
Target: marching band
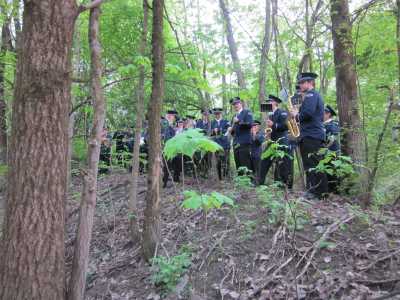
[[304, 127]]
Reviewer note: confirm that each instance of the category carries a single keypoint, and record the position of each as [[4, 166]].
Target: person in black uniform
[[279, 133], [167, 133], [204, 163], [332, 131], [219, 127], [204, 124], [241, 131], [121, 147], [312, 134], [256, 148]]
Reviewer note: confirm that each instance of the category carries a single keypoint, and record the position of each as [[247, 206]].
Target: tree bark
[[32, 248], [6, 45], [398, 43], [89, 193], [151, 228], [134, 224], [264, 52], [346, 89], [232, 46]]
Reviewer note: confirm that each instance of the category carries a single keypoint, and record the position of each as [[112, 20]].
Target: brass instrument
[[293, 126]]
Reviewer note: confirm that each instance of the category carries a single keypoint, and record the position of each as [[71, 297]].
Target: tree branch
[[93, 4]]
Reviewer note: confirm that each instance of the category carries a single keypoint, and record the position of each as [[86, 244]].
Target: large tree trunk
[[151, 228], [232, 45], [6, 45], [346, 89], [89, 193], [264, 52], [32, 248], [134, 224]]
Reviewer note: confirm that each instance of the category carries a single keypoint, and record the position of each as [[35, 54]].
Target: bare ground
[[337, 251]]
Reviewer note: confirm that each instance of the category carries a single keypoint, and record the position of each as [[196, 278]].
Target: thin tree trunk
[[6, 45], [151, 228], [134, 224], [264, 52], [89, 193], [232, 46], [32, 246], [346, 89]]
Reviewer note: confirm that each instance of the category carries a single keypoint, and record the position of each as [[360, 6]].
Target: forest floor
[[270, 246]]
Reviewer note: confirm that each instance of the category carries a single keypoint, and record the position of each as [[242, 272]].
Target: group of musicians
[[317, 129]]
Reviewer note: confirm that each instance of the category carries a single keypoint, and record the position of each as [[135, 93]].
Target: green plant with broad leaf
[[274, 150], [334, 164], [205, 202], [168, 270]]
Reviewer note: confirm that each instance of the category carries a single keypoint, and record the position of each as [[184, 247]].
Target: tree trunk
[[264, 52], [398, 43], [151, 230], [32, 248], [134, 224], [232, 46], [89, 193], [346, 87], [6, 45]]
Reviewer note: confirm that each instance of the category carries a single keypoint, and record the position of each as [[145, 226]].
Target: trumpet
[[293, 126]]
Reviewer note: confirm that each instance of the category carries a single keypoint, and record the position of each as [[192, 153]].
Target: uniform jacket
[[256, 145], [241, 130], [203, 125], [332, 131], [311, 116], [280, 128], [220, 137], [167, 132]]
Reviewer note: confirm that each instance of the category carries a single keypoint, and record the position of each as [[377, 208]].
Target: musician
[[167, 133], [219, 127], [279, 133], [256, 147], [312, 134], [241, 131], [332, 142], [204, 123], [190, 122], [332, 130], [105, 151]]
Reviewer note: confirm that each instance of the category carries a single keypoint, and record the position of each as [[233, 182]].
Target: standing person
[[279, 133], [204, 163], [204, 123], [167, 133], [312, 134], [190, 122], [332, 131], [256, 148], [219, 127], [241, 131]]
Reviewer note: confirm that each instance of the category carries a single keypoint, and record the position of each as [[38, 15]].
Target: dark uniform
[[312, 138], [242, 140], [105, 153], [256, 151], [332, 131], [172, 165], [279, 134], [121, 147], [218, 131], [203, 164]]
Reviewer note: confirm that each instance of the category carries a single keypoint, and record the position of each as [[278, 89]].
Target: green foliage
[[274, 150], [360, 215], [168, 270], [3, 170], [291, 213], [206, 202], [188, 143], [333, 164], [79, 150], [243, 180]]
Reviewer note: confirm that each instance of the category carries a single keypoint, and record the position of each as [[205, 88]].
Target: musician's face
[[306, 86], [218, 116], [170, 118], [327, 116], [238, 106]]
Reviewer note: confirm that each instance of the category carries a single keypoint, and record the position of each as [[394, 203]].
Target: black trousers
[[255, 166], [317, 182], [223, 163], [283, 171], [242, 157], [173, 166]]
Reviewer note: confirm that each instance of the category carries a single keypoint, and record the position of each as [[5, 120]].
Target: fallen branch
[[316, 246], [380, 260]]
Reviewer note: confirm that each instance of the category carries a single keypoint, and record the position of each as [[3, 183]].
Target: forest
[[187, 149]]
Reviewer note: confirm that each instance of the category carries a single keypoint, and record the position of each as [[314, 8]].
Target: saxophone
[[293, 126]]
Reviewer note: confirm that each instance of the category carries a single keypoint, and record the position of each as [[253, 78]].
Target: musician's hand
[[270, 123], [235, 120], [229, 129], [216, 130], [294, 112]]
